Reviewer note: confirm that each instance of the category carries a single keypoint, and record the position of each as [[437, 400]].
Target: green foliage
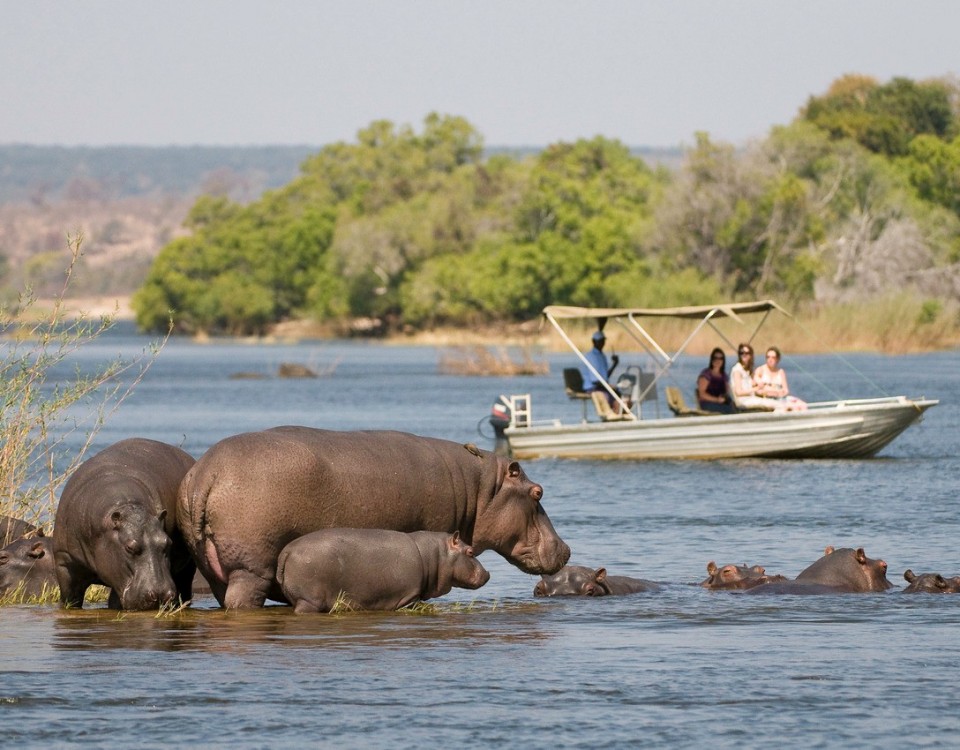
[[418, 229]]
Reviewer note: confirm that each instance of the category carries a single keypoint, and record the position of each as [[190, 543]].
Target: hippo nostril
[[536, 492]]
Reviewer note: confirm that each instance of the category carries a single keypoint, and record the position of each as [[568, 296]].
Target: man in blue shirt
[[598, 359]]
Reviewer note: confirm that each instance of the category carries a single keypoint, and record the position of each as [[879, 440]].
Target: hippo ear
[[600, 574], [456, 537], [41, 532], [163, 515], [513, 469], [861, 555], [116, 519], [940, 581], [711, 568], [828, 550], [909, 575], [4, 558], [36, 551]]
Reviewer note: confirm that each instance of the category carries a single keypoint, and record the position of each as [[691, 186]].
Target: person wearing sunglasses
[[741, 382], [713, 386]]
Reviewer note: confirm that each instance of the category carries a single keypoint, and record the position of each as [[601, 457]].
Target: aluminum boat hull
[[837, 429]]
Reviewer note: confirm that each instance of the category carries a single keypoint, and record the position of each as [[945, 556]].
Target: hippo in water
[[577, 580], [728, 577], [115, 526], [375, 569], [252, 494], [930, 583], [838, 571], [26, 566]]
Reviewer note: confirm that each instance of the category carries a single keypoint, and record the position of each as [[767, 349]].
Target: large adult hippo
[[115, 525], [579, 580], [253, 493], [375, 569], [26, 566], [847, 569]]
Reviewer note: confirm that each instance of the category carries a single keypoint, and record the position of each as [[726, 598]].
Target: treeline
[[856, 199]]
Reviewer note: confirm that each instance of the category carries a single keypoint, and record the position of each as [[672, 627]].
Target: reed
[[490, 360]]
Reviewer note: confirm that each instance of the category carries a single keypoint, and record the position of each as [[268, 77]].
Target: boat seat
[[573, 385], [604, 410], [679, 407]]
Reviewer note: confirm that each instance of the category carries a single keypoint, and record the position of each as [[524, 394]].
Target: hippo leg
[[73, 585], [183, 581], [245, 590], [306, 607], [113, 601]]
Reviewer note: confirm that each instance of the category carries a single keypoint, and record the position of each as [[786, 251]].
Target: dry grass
[[488, 360], [50, 595]]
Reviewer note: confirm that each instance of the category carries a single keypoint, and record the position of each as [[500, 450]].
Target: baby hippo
[[375, 569], [736, 577], [26, 567], [12, 529], [577, 580], [930, 583]]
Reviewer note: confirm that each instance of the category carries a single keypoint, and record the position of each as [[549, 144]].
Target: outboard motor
[[500, 417]]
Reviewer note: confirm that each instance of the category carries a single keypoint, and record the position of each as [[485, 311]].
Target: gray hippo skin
[[727, 577], [28, 561], [252, 494], [115, 526], [12, 529], [375, 569], [577, 580], [930, 583], [847, 570]]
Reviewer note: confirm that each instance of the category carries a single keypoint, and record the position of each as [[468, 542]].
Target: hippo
[[252, 494], [26, 566], [577, 580], [930, 583], [375, 569], [12, 529], [115, 526], [737, 577], [847, 570]]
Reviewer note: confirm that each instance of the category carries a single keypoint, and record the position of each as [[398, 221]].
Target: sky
[[523, 73]]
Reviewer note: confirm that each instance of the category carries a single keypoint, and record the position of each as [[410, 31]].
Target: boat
[[842, 428]]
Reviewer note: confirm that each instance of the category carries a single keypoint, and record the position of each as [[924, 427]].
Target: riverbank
[[899, 325]]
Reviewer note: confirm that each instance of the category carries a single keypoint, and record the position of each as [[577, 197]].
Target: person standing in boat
[[598, 360], [770, 381], [713, 386], [741, 382]]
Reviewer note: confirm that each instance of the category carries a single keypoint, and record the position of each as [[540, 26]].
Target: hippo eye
[[132, 547]]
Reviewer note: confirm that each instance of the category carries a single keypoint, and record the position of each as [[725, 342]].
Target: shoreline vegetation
[[899, 324]]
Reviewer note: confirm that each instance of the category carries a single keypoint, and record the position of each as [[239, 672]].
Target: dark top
[[716, 382]]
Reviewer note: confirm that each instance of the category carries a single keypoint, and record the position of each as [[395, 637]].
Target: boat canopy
[[697, 312]]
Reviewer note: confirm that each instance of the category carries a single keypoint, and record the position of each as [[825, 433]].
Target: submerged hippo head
[[511, 521], [133, 559], [736, 576], [573, 580], [848, 570], [930, 583]]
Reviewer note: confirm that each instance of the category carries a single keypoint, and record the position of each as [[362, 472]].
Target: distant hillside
[[53, 173]]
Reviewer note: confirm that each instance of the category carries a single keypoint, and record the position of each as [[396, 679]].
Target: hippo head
[[573, 580], [736, 576], [930, 583], [133, 559], [511, 521], [27, 566], [847, 569], [467, 572]]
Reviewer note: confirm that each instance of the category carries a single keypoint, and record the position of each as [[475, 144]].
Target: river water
[[680, 668]]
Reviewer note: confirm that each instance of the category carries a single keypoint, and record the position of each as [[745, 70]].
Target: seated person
[[598, 360], [741, 382], [713, 387], [770, 381]]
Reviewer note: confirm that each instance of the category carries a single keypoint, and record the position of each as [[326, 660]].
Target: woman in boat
[[741, 382], [770, 381], [713, 386]]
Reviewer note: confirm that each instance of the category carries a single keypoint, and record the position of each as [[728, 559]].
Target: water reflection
[[220, 631]]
